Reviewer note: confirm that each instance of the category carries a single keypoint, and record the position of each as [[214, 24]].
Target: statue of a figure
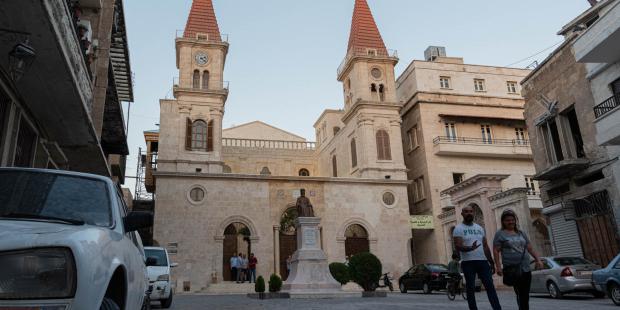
[[304, 207]]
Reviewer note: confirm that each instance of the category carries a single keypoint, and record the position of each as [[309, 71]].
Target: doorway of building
[[597, 229], [356, 240], [236, 240], [288, 239], [541, 237]]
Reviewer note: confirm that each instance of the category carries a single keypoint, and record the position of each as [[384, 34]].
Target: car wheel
[[554, 291], [614, 293], [166, 303], [402, 288], [109, 304], [426, 288]]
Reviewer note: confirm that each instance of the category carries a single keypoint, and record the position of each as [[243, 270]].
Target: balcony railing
[[269, 144], [366, 52], [607, 105], [188, 84], [462, 140], [83, 31], [199, 36]]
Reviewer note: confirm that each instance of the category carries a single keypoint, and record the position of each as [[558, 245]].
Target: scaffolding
[[143, 163]]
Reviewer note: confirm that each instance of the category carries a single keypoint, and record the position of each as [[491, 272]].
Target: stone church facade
[[223, 191]]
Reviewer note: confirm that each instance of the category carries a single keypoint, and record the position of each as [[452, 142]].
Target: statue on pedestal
[[304, 207]]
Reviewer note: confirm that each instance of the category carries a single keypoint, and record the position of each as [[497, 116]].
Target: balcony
[[57, 89], [185, 85], [600, 43], [563, 169], [478, 147], [269, 144], [366, 53], [608, 121]]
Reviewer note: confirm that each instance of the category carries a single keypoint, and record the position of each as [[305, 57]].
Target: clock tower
[[193, 120]]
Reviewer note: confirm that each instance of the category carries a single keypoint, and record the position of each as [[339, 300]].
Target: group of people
[[509, 258], [242, 268]]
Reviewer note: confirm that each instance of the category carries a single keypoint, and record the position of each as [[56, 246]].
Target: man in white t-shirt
[[470, 240]]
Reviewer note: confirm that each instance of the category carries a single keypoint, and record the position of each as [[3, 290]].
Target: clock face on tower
[[202, 58]]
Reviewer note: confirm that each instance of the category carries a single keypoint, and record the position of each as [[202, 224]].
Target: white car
[[67, 241], [159, 275]]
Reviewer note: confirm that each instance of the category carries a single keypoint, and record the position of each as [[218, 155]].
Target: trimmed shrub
[[340, 272], [365, 270], [275, 283], [259, 286]]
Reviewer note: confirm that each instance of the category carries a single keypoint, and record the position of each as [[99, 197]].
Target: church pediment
[[258, 130]]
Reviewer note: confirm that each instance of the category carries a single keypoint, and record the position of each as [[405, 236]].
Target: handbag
[[512, 273]]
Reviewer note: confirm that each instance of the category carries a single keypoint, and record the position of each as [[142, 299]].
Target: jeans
[[233, 273], [522, 290], [252, 275], [483, 270], [240, 275]]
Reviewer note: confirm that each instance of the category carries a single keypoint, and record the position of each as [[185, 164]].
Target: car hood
[[156, 271], [21, 234]]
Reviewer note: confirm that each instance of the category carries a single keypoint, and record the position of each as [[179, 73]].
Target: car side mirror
[[174, 265], [137, 219], [151, 261]]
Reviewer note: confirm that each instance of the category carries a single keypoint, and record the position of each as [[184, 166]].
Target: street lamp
[[21, 58]]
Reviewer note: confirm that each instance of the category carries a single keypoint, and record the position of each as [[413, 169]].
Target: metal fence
[[607, 105], [269, 144], [491, 141]]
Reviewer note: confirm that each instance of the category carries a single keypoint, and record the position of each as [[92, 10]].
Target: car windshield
[[38, 195], [437, 267], [160, 255], [569, 261]]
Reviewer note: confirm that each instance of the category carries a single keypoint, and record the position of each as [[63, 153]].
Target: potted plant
[[259, 287]]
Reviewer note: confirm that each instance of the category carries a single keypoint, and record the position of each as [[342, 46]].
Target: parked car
[[607, 280], [563, 275], [159, 275], [425, 277], [67, 241]]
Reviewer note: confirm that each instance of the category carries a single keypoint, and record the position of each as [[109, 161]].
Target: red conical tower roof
[[202, 20], [364, 31]]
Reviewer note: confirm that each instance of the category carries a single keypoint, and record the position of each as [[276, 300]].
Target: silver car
[[562, 275]]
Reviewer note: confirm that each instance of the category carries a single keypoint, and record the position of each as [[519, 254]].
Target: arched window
[[353, 154], [199, 135], [205, 79], [381, 92], [383, 146], [304, 172], [373, 87], [336, 129], [334, 167], [478, 215], [196, 79]]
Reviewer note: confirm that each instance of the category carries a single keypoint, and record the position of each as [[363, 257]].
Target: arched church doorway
[[236, 240], [541, 235], [478, 215], [356, 240], [288, 238]]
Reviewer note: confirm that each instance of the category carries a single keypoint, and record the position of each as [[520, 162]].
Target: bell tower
[[370, 104], [191, 125]]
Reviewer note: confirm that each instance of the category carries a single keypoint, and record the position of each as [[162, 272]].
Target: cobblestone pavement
[[414, 300]]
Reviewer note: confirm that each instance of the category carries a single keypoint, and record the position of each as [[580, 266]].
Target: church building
[[224, 191]]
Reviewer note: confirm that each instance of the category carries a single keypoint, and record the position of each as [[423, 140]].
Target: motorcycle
[[387, 282]]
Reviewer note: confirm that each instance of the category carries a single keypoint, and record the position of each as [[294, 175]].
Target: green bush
[[340, 272], [259, 286], [275, 283], [365, 270]]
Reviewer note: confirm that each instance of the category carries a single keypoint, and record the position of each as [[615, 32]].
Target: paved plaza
[[415, 300]]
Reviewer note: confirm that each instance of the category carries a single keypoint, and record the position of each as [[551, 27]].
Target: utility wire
[[524, 59]]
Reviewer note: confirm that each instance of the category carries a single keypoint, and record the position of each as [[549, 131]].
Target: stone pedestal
[[309, 273]]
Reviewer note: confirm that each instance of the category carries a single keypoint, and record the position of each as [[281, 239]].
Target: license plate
[[585, 273]]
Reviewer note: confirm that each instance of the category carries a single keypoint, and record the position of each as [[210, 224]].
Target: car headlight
[[163, 277], [37, 273]]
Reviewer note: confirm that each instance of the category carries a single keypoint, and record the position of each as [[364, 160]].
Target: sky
[[284, 54]]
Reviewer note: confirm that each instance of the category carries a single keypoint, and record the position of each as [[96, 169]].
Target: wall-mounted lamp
[[21, 58]]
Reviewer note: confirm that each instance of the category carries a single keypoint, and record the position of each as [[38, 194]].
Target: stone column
[[217, 266], [366, 146], [217, 115], [276, 249]]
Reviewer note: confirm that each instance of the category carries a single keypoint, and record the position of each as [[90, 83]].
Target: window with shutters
[[353, 154], [199, 135], [383, 146], [334, 167], [512, 87], [486, 134], [196, 79], [205, 79], [479, 85], [26, 141]]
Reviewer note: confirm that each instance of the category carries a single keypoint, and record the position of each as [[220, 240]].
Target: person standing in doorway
[[288, 265], [239, 268], [476, 259], [234, 263], [252, 268], [510, 248], [244, 267]]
